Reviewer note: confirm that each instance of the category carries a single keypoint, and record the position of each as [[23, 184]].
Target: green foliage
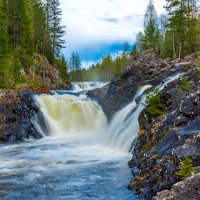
[[187, 68], [106, 69], [75, 67], [155, 106], [55, 28], [28, 27], [63, 68], [186, 168], [185, 85], [147, 146], [173, 35], [151, 37], [163, 132]]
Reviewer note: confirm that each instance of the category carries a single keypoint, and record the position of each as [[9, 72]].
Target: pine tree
[[3, 27], [126, 47], [186, 168], [3, 40], [177, 22], [75, 66], [57, 31], [138, 42], [42, 41], [63, 68]]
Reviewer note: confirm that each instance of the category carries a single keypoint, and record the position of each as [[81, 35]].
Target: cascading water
[[84, 157], [72, 116], [124, 127], [78, 86]]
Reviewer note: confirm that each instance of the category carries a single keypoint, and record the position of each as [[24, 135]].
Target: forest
[[29, 29], [33, 28], [174, 34]]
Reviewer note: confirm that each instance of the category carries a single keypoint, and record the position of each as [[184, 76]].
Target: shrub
[[186, 168], [155, 106], [186, 85], [187, 68]]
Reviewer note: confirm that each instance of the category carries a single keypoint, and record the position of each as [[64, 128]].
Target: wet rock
[[18, 111], [169, 142], [190, 148], [165, 141], [181, 120], [193, 127]]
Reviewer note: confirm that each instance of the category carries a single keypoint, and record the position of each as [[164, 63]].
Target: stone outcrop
[[18, 114], [188, 189], [146, 68], [166, 140], [42, 74]]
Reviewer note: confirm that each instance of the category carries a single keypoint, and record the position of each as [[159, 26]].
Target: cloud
[[96, 23]]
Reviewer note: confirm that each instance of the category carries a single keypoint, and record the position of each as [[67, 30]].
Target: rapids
[[82, 156]]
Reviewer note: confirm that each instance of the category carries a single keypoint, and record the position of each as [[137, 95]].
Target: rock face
[[184, 190], [147, 68], [168, 139], [18, 113], [42, 74]]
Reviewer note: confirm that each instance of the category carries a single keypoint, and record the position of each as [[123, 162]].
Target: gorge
[[82, 153]]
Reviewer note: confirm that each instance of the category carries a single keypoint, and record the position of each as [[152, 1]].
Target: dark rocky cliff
[[164, 141], [146, 68], [17, 115]]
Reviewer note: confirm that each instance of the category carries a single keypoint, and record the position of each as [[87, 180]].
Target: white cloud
[[96, 22]]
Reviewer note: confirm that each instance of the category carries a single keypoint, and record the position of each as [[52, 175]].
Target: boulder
[[17, 115], [184, 190]]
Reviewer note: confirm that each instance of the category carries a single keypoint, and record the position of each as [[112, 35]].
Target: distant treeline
[[172, 35], [103, 71]]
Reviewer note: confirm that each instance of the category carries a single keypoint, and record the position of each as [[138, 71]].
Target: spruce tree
[[57, 31], [63, 68], [177, 23]]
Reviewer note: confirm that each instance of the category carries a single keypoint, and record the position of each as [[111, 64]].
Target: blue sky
[[97, 27]]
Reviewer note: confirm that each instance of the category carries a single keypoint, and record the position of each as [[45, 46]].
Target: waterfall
[[124, 126], [71, 116], [79, 86], [79, 117]]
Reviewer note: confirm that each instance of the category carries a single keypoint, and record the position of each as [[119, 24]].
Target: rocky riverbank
[[169, 126], [18, 113], [146, 68], [166, 140]]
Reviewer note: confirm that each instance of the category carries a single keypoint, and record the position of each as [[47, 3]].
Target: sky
[[97, 27]]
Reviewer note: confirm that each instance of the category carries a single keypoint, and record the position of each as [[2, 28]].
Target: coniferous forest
[[174, 34], [30, 31]]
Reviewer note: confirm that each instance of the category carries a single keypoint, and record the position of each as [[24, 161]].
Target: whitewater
[[81, 156]]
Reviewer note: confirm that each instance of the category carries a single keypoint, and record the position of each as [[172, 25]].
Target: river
[[82, 156], [73, 162]]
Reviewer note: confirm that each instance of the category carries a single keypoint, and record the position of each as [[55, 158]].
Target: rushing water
[[79, 86], [83, 157]]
